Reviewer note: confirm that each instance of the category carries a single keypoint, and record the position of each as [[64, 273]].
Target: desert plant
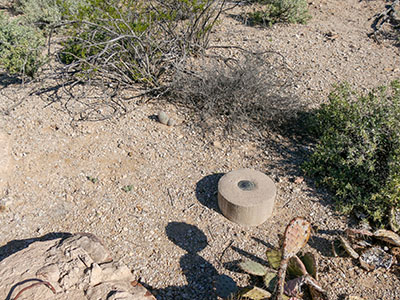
[[132, 41], [387, 23], [358, 151], [183, 9], [302, 269], [247, 96], [21, 47], [280, 11], [39, 12], [46, 12]]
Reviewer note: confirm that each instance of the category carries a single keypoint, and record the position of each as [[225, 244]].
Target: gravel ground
[[149, 190]]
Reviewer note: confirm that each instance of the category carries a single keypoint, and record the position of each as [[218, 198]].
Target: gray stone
[[91, 244], [171, 122], [163, 118]]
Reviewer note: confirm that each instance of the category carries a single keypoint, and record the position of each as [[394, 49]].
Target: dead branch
[[131, 56], [33, 285], [389, 15]]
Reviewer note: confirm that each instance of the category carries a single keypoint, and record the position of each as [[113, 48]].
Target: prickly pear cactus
[[296, 236], [270, 279], [296, 267], [255, 293], [311, 264], [274, 258], [253, 268]]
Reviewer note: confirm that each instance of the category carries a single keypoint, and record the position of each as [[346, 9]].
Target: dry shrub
[[130, 41], [243, 96]]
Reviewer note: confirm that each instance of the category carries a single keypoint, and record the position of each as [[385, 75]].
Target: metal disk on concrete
[[246, 196]]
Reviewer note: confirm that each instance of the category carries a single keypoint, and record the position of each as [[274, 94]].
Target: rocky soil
[[149, 190]]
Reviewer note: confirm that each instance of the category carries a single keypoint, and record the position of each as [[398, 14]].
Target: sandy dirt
[[150, 190]]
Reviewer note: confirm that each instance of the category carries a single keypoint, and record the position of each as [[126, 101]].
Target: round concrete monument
[[246, 196]]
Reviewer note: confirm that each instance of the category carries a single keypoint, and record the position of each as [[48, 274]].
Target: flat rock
[[375, 258], [78, 267]]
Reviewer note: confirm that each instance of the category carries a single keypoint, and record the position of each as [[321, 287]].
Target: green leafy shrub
[[46, 12], [358, 153], [40, 12], [134, 41], [280, 11], [21, 47]]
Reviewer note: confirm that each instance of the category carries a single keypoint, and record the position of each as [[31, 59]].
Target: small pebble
[[163, 118], [217, 144], [6, 202], [171, 122]]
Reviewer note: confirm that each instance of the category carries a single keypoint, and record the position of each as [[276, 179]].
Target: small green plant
[[127, 188], [92, 179], [21, 47], [280, 11], [358, 151]]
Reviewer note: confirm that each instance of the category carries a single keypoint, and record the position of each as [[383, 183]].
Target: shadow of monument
[[203, 280], [207, 191]]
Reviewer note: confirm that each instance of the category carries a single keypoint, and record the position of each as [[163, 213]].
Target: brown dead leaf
[[299, 180]]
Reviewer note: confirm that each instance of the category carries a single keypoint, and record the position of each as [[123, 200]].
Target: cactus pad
[[311, 264], [255, 293], [270, 279], [253, 268], [274, 258], [296, 267], [297, 234], [388, 236]]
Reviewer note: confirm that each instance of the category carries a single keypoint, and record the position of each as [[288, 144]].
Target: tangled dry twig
[[246, 94], [389, 15]]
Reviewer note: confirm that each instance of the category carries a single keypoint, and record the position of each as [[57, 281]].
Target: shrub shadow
[[322, 245], [264, 243], [14, 246], [7, 80], [88, 102], [248, 21]]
